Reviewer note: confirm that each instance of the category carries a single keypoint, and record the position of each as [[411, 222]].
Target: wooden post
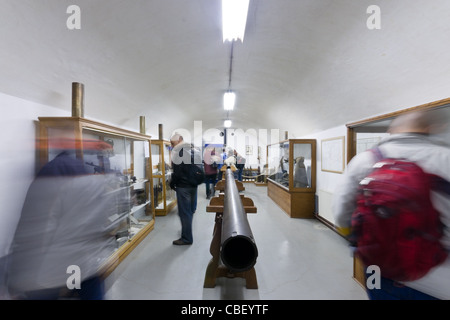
[[160, 131], [77, 99], [142, 124]]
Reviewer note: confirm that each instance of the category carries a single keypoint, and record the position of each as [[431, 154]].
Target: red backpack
[[395, 225]]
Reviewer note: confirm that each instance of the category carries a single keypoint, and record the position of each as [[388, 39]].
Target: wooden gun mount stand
[[216, 268]]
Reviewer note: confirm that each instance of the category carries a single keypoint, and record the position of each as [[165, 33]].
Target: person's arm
[[344, 198]]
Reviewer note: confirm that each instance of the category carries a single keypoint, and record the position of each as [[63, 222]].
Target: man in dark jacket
[[186, 190]]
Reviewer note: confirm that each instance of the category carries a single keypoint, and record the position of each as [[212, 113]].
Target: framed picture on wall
[[249, 150], [332, 155]]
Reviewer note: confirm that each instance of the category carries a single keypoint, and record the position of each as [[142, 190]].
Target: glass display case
[[164, 197], [291, 167], [105, 149]]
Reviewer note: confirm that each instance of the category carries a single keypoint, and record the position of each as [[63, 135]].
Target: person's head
[[426, 122], [210, 150], [300, 160], [176, 139]]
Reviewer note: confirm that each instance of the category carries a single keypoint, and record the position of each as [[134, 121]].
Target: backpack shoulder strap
[[440, 184]]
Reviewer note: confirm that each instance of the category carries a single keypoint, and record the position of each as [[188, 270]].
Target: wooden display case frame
[[167, 207], [296, 202]]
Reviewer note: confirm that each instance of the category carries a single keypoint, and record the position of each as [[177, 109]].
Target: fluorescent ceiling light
[[229, 99], [234, 19], [227, 123]]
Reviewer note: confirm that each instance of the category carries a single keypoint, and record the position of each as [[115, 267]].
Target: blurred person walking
[[411, 138], [65, 233]]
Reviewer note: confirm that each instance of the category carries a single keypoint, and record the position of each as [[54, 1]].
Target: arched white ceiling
[[304, 65]]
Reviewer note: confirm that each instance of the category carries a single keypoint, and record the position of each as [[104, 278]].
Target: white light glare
[[229, 99], [227, 123], [234, 19]]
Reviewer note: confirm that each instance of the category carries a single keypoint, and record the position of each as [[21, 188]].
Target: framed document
[[332, 155]]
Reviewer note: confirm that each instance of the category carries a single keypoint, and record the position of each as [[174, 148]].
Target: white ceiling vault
[[304, 65]]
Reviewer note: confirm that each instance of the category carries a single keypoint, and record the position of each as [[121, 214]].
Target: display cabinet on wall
[[292, 176], [107, 149], [164, 197]]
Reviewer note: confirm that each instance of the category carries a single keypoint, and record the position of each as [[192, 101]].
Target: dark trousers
[[186, 202], [392, 290], [210, 182], [90, 289]]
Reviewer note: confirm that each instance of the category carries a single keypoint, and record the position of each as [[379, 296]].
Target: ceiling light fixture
[[227, 123], [229, 99], [234, 19]]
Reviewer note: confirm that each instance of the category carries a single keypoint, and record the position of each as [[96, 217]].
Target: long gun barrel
[[238, 247]]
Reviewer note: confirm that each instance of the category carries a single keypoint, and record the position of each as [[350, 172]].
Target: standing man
[[223, 156], [240, 164], [410, 139], [183, 155], [211, 162]]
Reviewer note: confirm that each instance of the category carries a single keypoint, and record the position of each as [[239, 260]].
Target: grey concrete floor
[[299, 259]]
